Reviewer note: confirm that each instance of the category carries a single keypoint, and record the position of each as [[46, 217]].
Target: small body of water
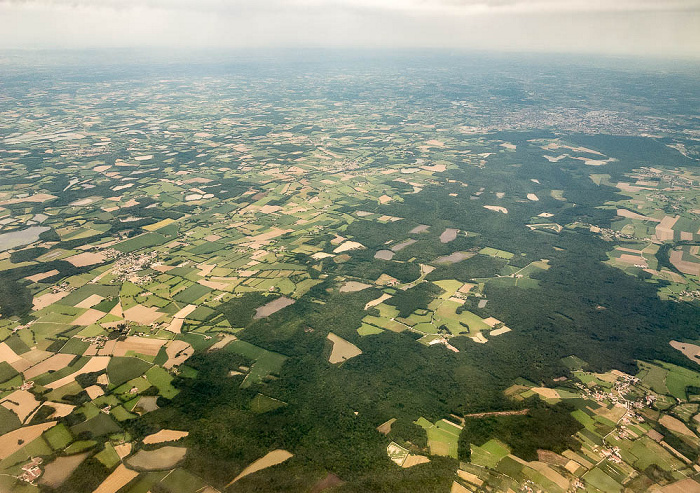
[[15, 239]]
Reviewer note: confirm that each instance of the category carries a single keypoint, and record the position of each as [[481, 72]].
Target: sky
[[656, 28]]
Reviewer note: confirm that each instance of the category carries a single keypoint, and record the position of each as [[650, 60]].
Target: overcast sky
[[637, 27]]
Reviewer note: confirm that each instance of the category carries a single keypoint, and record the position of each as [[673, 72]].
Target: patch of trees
[[543, 427]]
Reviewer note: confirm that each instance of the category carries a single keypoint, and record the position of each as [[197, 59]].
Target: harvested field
[[42, 275], [273, 306], [222, 342], [342, 349], [496, 208], [450, 234], [54, 363], [13, 441], [57, 471], [384, 255], [157, 460], [86, 258], [685, 266], [175, 326], [141, 345], [353, 286], [178, 352], [182, 313], [90, 301], [675, 425], [148, 403], [20, 402], [385, 428], [691, 351], [414, 460], [421, 228], [143, 315], [94, 391], [664, 230], [400, 246], [500, 331], [41, 302], [633, 215], [270, 459], [96, 363], [88, 318], [546, 393], [347, 246], [377, 301], [117, 480], [165, 436], [453, 258], [61, 409]]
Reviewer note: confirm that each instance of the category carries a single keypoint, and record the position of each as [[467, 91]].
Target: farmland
[[236, 280]]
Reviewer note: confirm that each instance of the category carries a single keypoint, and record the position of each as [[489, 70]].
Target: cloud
[[646, 27]]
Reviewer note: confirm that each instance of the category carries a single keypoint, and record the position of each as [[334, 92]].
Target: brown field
[[222, 342], [469, 477], [422, 228], [550, 474], [683, 486], [664, 230], [414, 460], [37, 197], [453, 258], [178, 352], [144, 315], [148, 403], [7, 354], [377, 301], [123, 449], [88, 318], [57, 471], [94, 391], [157, 460], [86, 258], [353, 286], [47, 299], [270, 459], [175, 325], [13, 441], [185, 311], [496, 208], [342, 349], [385, 428], [686, 267], [42, 275], [448, 235], [90, 301], [546, 393], [691, 351], [458, 488], [273, 306], [141, 345], [96, 363], [165, 436], [384, 255], [633, 215], [347, 246], [61, 409], [675, 425], [20, 402], [221, 286], [117, 480]]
